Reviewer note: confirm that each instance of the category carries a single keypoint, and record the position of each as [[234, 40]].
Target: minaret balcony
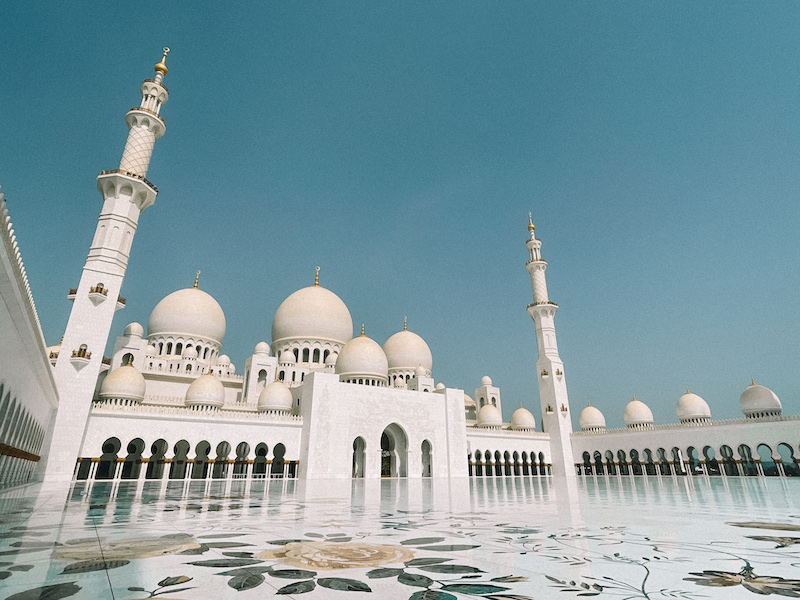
[[120, 303], [97, 294], [80, 358], [72, 293], [542, 303], [132, 175], [149, 112], [117, 182]]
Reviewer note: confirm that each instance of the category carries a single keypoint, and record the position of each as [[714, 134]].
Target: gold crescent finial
[[530, 222], [162, 66], [687, 390], [362, 329], [316, 278], [590, 402], [130, 361], [634, 398], [405, 323], [752, 381], [196, 279]]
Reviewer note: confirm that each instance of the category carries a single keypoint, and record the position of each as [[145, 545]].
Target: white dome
[[442, 386], [124, 383], [206, 390], [420, 371], [189, 313], [486, 380], [189, 352], [591, 418], [489, 416], [262, 348], [223, 360], [758, 400], [276, 396], [692, 407], [637, 414], [406, 350], [332, 358], [362, 356], [468, 401], [522, 419], [287, 357], [133, 330], [312, 313], [151, 350]]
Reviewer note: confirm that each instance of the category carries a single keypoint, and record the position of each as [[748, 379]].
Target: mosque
[[316, 402]]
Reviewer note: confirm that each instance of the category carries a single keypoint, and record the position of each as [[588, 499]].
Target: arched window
[[325, 355], [305, 355], [205, 354], [169, 347], [361, 381], [482, 402], [494, 401], [296, 354], [178, 349], [160, 348], [293, 375], [188, 368], [316, 355], [281, 376], [197, 349], [127, 359]]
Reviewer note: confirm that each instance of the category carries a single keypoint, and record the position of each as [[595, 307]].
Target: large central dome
[[189, 313], [313, 313]]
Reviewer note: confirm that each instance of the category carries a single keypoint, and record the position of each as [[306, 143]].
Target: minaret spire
[[196, 279], [126, 193], [316, 278], [549, 367]]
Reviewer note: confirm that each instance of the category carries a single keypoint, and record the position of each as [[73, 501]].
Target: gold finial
[[316, 278], [687, 390], [362, 329], [405, 323], [634, 398], [590, 402], [530, 222], [196, 279], [752, 381], [130, 361], [162, 66]]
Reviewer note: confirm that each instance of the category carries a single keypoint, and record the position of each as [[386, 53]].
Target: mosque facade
[[317, 402]]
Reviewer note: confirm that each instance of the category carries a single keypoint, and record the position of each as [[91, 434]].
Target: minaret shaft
[[556, 418], [126, 193]]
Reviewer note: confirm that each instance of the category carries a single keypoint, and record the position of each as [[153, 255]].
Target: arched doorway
[[427, 469], [394, 452], [359, 457]]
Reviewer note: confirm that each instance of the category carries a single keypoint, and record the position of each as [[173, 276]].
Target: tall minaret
[[556, 419], [126, 193]]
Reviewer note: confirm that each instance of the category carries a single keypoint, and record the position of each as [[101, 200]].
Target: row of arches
[[695, 461], [176, 348], [507, 464], [21, 438], [393, 454], [204, 462], [308, 354]]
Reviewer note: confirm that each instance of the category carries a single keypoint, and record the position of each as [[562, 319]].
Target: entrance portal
[[394, 452]]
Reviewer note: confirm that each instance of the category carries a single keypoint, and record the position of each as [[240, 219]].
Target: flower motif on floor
[[763, 585], [125, 548], [330, 555]]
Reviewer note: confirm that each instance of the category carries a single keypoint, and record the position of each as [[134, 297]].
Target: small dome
[[287, 357], [591, 419], [489, 416], [151, 350], [486, 380], [637, 414], [760, 401], [331, 360], [262, 348], [522, 419], [468, 401], [189, 352], [124, 383], [362, 356], [190, 313], [276, 396], [312, 313], [420, 371], [692, 407], [133, 330], [223, 360], [442, 386], [406, 350], [206, 390]]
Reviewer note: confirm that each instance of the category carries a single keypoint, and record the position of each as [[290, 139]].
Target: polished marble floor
[[499, 539]]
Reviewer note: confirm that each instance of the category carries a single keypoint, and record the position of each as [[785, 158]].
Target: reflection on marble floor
[[501, 539]]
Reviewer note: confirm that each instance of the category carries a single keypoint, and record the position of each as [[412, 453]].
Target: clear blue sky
[[400, 147]]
